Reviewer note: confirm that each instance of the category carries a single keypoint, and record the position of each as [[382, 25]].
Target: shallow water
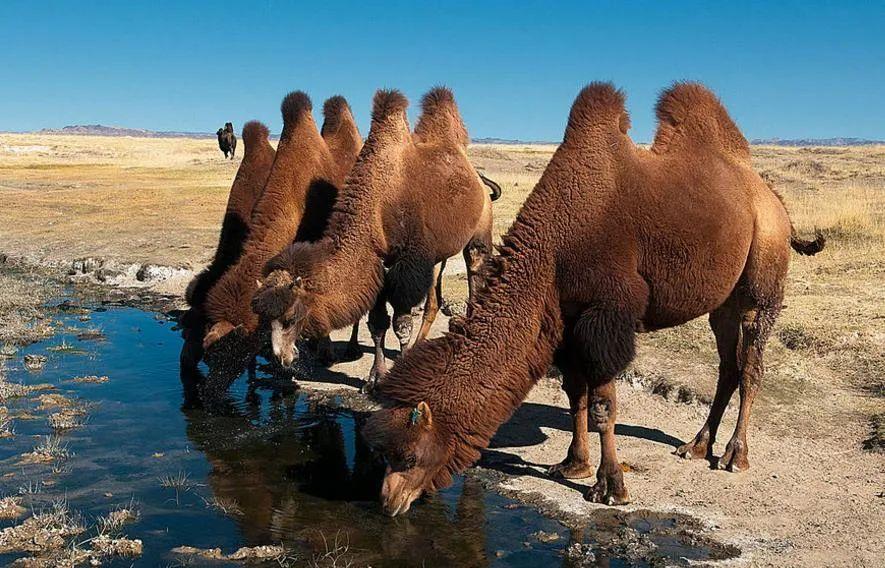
[[289, 470]]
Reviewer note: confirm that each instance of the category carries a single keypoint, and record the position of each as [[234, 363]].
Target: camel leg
[[325, 355], [725, 323], [577, 462], [402, 327], [756, 324], [603, 340], [475, 253], [353, 351], [602, 411], [434, 300], [379, 323]]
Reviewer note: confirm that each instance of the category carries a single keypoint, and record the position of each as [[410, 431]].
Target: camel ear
[[421, 415], [258, 284]]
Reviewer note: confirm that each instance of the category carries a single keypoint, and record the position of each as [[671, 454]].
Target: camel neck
[[476, 376]]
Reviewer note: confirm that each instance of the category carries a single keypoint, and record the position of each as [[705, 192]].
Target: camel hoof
[[734, 459], [693, 450], [570, 470], [597, 494]]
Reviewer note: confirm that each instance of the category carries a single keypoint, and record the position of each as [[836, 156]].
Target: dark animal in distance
[[612, 241], [227, 140], [412, 200]]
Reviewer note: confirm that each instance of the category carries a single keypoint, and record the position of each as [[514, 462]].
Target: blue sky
[[786, 69]]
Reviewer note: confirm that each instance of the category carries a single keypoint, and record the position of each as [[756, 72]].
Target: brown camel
[[247, 186], [613, 240], [295, 204], [411, 201], [251, 177]]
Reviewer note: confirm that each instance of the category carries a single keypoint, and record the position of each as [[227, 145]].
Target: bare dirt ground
[[815, 494]]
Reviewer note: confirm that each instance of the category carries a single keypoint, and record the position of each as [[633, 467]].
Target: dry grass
[[161, 201]]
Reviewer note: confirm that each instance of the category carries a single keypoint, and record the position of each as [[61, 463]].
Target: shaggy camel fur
[[410, 202], [295, 204], [227, 140], [613, 240]]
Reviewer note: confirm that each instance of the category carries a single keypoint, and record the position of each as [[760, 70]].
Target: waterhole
[[264, 464]]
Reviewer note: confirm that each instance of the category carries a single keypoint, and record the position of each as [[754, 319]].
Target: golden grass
[[161, 201]]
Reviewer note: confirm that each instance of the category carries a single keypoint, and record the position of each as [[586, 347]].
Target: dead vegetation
[[51, 537]]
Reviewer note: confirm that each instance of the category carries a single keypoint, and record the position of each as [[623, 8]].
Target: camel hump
[[254, 133], [598, 104], [440, 120], [295, 105], [335, 112], [387, 103], [690, 114]]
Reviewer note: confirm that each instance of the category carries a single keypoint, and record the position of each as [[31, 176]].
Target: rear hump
[[689, 114], [440, 120]]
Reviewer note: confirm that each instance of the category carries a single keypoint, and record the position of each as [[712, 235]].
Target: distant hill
[[817, 142], [508, 141], [101, 130]]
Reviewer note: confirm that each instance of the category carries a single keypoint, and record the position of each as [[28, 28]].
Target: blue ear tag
[[414, 416]]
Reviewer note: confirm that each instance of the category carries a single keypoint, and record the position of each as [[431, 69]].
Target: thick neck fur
[[475, 376], [344, 271]]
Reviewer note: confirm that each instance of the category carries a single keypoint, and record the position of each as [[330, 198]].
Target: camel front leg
[[475, 254], [379, 323], [602, 413], [402, 328], [577, 462], [434, 300], [353, 352]]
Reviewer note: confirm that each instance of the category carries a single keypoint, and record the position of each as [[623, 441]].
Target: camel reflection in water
[[300, 473]]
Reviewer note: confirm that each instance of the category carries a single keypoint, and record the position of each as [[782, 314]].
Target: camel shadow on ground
[[526, 428]]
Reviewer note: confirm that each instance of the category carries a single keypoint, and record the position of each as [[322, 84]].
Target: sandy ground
[[813, 496]]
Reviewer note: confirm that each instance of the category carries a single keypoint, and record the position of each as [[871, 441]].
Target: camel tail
[[494, 187], [440, 119], [689, 114], [806, 247], [800, 245], [254, 134]]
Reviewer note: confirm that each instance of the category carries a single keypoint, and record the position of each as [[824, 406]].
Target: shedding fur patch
[[254, 133], [294, 105], [408, 280], [688, 114]]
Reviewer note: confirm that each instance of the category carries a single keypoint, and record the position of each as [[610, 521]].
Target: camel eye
[[410, 461]]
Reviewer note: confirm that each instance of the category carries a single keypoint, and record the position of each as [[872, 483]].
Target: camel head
[[416, 453], [281, 303]]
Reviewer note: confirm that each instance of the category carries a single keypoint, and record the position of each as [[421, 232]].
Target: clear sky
[[784, 69]]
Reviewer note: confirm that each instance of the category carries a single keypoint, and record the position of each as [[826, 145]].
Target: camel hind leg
[[432, 304], [742, 327], [725, 323], [756, 324]]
